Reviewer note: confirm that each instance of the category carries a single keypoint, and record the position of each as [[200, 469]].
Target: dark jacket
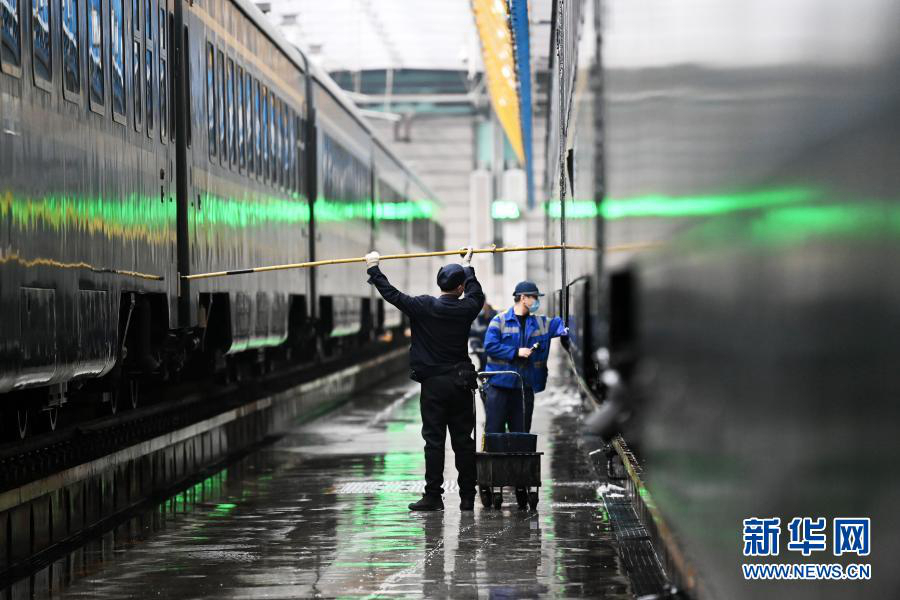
[[440, 325], [479, 327]]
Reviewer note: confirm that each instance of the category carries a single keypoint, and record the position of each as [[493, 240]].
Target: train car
[[343, 210], [87, 197], [149, 140], [427, 234], [246, 188], [749, 151], [391, 229], [574, 160]]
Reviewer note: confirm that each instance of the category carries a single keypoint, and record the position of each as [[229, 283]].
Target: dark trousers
[[503, 410], [447, 406]]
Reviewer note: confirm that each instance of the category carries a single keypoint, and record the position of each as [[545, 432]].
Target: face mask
[[535, 306]]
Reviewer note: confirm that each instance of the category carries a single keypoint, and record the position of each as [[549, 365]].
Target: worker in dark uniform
[[439, 360], [476, 334]]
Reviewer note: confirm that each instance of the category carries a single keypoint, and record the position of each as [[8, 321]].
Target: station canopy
[[365, 35], [402, 57]]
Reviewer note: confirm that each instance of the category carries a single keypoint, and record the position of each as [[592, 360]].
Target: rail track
[[59, 489]]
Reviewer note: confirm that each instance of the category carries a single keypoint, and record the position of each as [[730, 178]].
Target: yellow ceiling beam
[[492, 21]]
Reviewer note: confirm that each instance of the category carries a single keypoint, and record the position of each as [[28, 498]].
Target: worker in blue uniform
[[439, 360], [518, 340]]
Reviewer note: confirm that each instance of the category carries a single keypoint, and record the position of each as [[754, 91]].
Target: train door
[[184, 47], [161, 75]]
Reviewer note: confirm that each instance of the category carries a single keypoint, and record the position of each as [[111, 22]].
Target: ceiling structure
[[415, 68], [361, 35]]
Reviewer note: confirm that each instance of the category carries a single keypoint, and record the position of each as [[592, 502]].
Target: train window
[[148, 19], [71, 62], [220, 106], [148, 65], [264, 127], [136, 83], [273, 160], [292, 151], [229, 109], [42, 65], [117, 56], [273, 139], [163, 104], [188, 89], [286, 144], [257, 130], [211, 98], [95, 54], [298, 155], [170, 79], [12, 41], [248, 117], [148, 87], [279, 147], [136, 58], [285, 148], [162, 90], [239, 115], [276, 140]]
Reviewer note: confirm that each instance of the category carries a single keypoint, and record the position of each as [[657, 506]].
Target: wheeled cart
[[506, 468]]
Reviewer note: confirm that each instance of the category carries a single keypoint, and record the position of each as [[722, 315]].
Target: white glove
[[467, 257], [372, 259]]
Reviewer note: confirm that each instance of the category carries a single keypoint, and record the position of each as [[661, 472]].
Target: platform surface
[[322, 513]]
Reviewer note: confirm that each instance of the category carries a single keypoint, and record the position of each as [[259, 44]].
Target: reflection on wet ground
[[323, 513]]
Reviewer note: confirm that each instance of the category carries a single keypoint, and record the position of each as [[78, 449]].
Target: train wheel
[[22, 423], [110, 403], [52, 418], [15, 424], [132, 391]]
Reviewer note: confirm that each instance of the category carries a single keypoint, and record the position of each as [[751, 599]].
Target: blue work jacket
[[503, 340]]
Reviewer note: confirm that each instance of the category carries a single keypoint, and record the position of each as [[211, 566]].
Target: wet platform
[[322, 513]]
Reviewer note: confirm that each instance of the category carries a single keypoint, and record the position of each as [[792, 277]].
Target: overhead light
[[504, 209]]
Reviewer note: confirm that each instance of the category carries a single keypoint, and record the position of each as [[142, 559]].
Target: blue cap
[[526, 288], [450, 276]]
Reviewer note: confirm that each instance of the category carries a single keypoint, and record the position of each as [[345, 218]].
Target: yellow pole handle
[[344, 261]]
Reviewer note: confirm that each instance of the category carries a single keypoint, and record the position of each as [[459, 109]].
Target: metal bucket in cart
[[497, 469]]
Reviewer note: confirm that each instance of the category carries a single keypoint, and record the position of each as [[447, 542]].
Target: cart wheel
[[498, 499], [486, 496], [522, 498], [533, 500]]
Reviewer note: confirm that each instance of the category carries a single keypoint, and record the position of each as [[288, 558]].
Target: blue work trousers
[[503, 410]]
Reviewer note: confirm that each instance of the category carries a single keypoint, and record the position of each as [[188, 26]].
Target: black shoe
[[467, 502], [428, 502]]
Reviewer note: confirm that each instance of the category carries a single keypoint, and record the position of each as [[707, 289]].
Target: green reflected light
[[139, 217], [658, 205], [134, 218], [786, 215], [796, 223]]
